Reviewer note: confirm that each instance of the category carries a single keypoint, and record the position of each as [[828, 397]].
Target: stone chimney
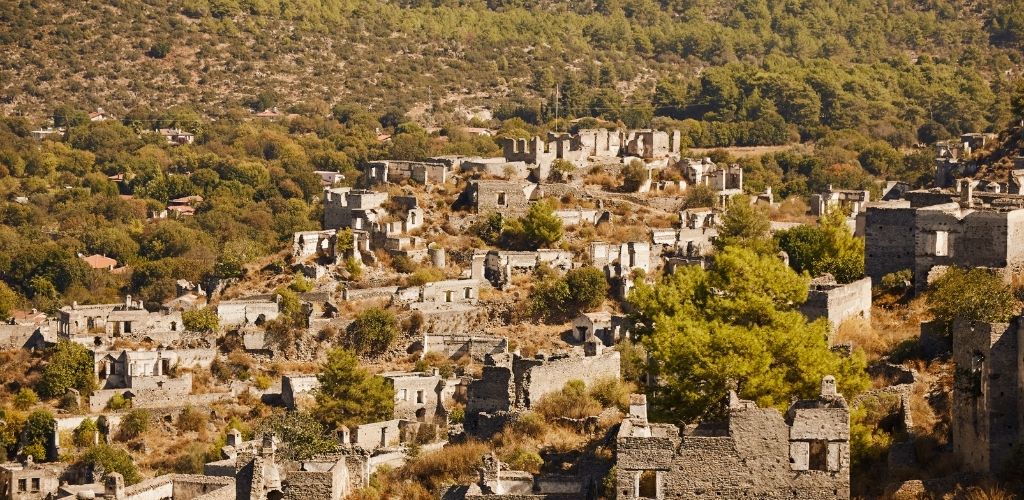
[[828, 387], [638, 406], [113, 486], [234, 438]]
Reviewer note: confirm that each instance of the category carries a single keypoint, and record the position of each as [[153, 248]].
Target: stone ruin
[[988, 393], [760, 453], [837, 302], [975, 231], [510, 383]]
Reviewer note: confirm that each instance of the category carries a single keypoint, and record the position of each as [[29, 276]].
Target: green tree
[[700, 196], [8, 301], [203, 320], [973, 295], [829, 247], [372, 332], [302, 436], [541, 228], [69, 366], [746, 225], [112, 459], [588, 288], [348, 394], [135, 423], [37, 433], [735, 326], [634, 174]]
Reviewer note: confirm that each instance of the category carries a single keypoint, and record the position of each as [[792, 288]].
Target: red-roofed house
[[97, 261]]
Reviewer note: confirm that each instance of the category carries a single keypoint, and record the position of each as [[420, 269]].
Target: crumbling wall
[[456, 346], [838, 303], [242, 311], [986, 394], [888, 239], [377, 435]]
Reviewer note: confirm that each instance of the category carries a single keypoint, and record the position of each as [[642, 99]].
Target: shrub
[[521, 458], [36, 433], [86, 433], [974, 295], [572, 401], [201, 321], [112, 460], [541, 228], [634, 174], [898, 281], [191, 420], [372, 332], [452, 464], [135, 423], [300, 284], [159, 50], [118, 402], [611, 393], [25, 399], [531, 424]]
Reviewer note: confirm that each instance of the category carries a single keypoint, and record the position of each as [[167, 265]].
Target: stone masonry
[[759, 454]]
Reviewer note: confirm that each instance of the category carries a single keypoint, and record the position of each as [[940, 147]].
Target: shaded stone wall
[[986, 394]]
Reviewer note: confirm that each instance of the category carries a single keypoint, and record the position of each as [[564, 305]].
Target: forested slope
[[889, 68]]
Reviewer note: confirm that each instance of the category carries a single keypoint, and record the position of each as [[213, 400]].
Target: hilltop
[[882, 68]]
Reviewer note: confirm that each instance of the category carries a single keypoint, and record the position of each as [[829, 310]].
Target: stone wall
[[377, 434], [456, 346], [986, 394], [511, 383], [23, 336], [294, 386], [182, 487], [759, 455], [888, 239], [838, 303], [243, 311]]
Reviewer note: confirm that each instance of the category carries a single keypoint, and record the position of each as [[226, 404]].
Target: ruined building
[[987, 394], [977, 231], [760, 453], [98, 324], [511, 383], [837, 302]]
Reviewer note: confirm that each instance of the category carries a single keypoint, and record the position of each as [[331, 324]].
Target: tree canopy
[[973, 295], [70, 366], [735, 326], [829, 247], [349, 395]]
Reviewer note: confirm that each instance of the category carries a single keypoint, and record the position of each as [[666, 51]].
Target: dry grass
[[888, 328], [452, 464]]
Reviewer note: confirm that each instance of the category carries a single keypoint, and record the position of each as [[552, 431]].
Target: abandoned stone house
[[620, 259], [257, 473], [475, 347], [988, 394], [97, 324], [725, 181], [901, 236], [510, 383], [497, 481], [314, 244], [372, 222], [147, 377], [851, 201], [500, 265], [395, 171], [421, 396], [837, 302], [508, 197], [758, 453], [689, 242], [28, 480], [580, 216], [15, 336], [602, 325], [255, 310]]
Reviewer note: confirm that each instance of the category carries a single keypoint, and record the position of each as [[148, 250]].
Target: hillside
[[884, 68]]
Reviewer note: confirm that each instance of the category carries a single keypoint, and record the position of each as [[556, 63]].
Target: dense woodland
[[746, 72]]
